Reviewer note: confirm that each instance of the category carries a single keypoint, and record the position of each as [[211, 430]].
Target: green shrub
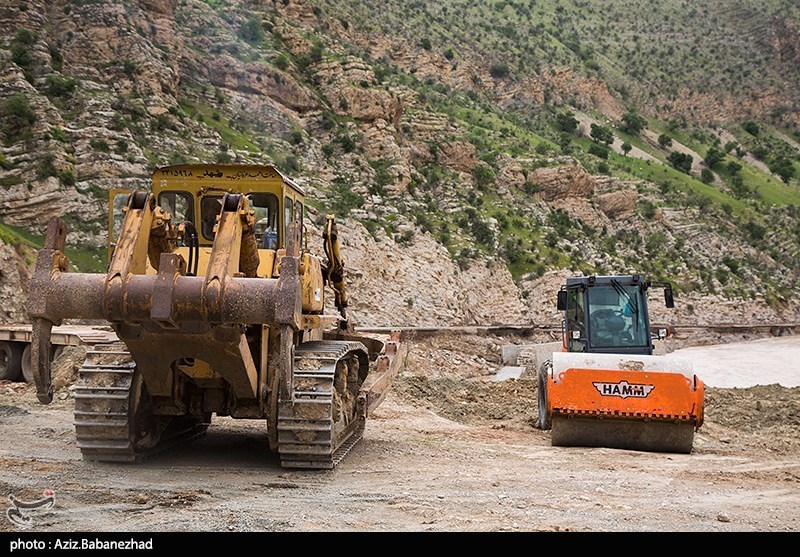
[[343, 199], [47, 166], [632, 123], [681, 161], [223, 157], [566, 122], [281, 61], [58, 86], [484, 176], [20, 48], [598, 150], [100, 145], [20, 55], [19, 118], [601, 134], [751, 127], [66, 177], [498, 71], [251, 31], [531, 187], [347, 142]]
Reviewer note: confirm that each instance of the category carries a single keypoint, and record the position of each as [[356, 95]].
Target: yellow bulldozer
[[219, 308], [606, 387]]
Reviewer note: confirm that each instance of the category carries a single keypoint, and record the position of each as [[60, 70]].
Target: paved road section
[[766, 361]]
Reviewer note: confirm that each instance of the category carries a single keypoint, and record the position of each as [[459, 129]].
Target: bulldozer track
[[103, 413], [320, 423]]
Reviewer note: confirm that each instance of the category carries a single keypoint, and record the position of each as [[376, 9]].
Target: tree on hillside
[[783, 167], [18, 117], [751, 127], [734, 167], [713, 157], [602, 134], [626, 148], [567, 122], [664, 140], [760, 152], [498, 71], [565, 142], [633, 123], [681, 161], [252, 31], [484, 176], [599, 150]]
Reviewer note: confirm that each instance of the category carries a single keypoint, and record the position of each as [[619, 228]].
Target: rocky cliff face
[[15, 269], [99, 93], [419, 284]]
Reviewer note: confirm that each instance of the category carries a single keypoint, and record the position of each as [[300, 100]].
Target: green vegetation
[[343, 198], [18, 118], [251, 31], [83, 259], [222, 124], [481, 52]]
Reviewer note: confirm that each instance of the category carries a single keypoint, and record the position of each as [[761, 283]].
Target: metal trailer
[[15, 346]]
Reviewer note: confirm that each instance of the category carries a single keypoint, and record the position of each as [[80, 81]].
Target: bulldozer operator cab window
[[119, 202], [576, 321], [179, 204], [210, 207], [298, 211], [265, 210], [288, 218], [616, 316]]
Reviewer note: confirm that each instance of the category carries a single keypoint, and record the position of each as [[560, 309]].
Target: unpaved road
[[448, 450]]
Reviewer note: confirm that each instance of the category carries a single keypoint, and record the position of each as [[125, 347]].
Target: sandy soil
[[448, 450]]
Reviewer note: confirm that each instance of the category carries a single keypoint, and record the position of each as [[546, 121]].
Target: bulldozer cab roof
[[229, 177]]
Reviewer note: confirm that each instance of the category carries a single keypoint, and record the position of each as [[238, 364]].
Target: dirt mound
[[452, 375], [510, 403]]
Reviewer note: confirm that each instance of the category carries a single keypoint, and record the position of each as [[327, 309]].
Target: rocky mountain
[[474, 154]]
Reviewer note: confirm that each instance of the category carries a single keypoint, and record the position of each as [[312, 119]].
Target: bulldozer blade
[[649, 436]]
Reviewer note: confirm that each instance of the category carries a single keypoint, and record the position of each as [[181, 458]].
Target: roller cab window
[[576, 321], [617, 316]]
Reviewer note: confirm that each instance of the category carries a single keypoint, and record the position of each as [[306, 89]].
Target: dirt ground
[[450, 449]]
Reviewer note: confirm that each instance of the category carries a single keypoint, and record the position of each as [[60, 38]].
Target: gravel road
[[448, 450]]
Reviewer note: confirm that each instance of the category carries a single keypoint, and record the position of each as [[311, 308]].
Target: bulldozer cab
[[608, 314], [193, 196]]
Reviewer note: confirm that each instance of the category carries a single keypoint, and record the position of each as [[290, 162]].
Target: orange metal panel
[[627, 394]]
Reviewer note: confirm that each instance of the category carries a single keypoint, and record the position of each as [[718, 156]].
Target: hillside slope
[[502, 143]]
